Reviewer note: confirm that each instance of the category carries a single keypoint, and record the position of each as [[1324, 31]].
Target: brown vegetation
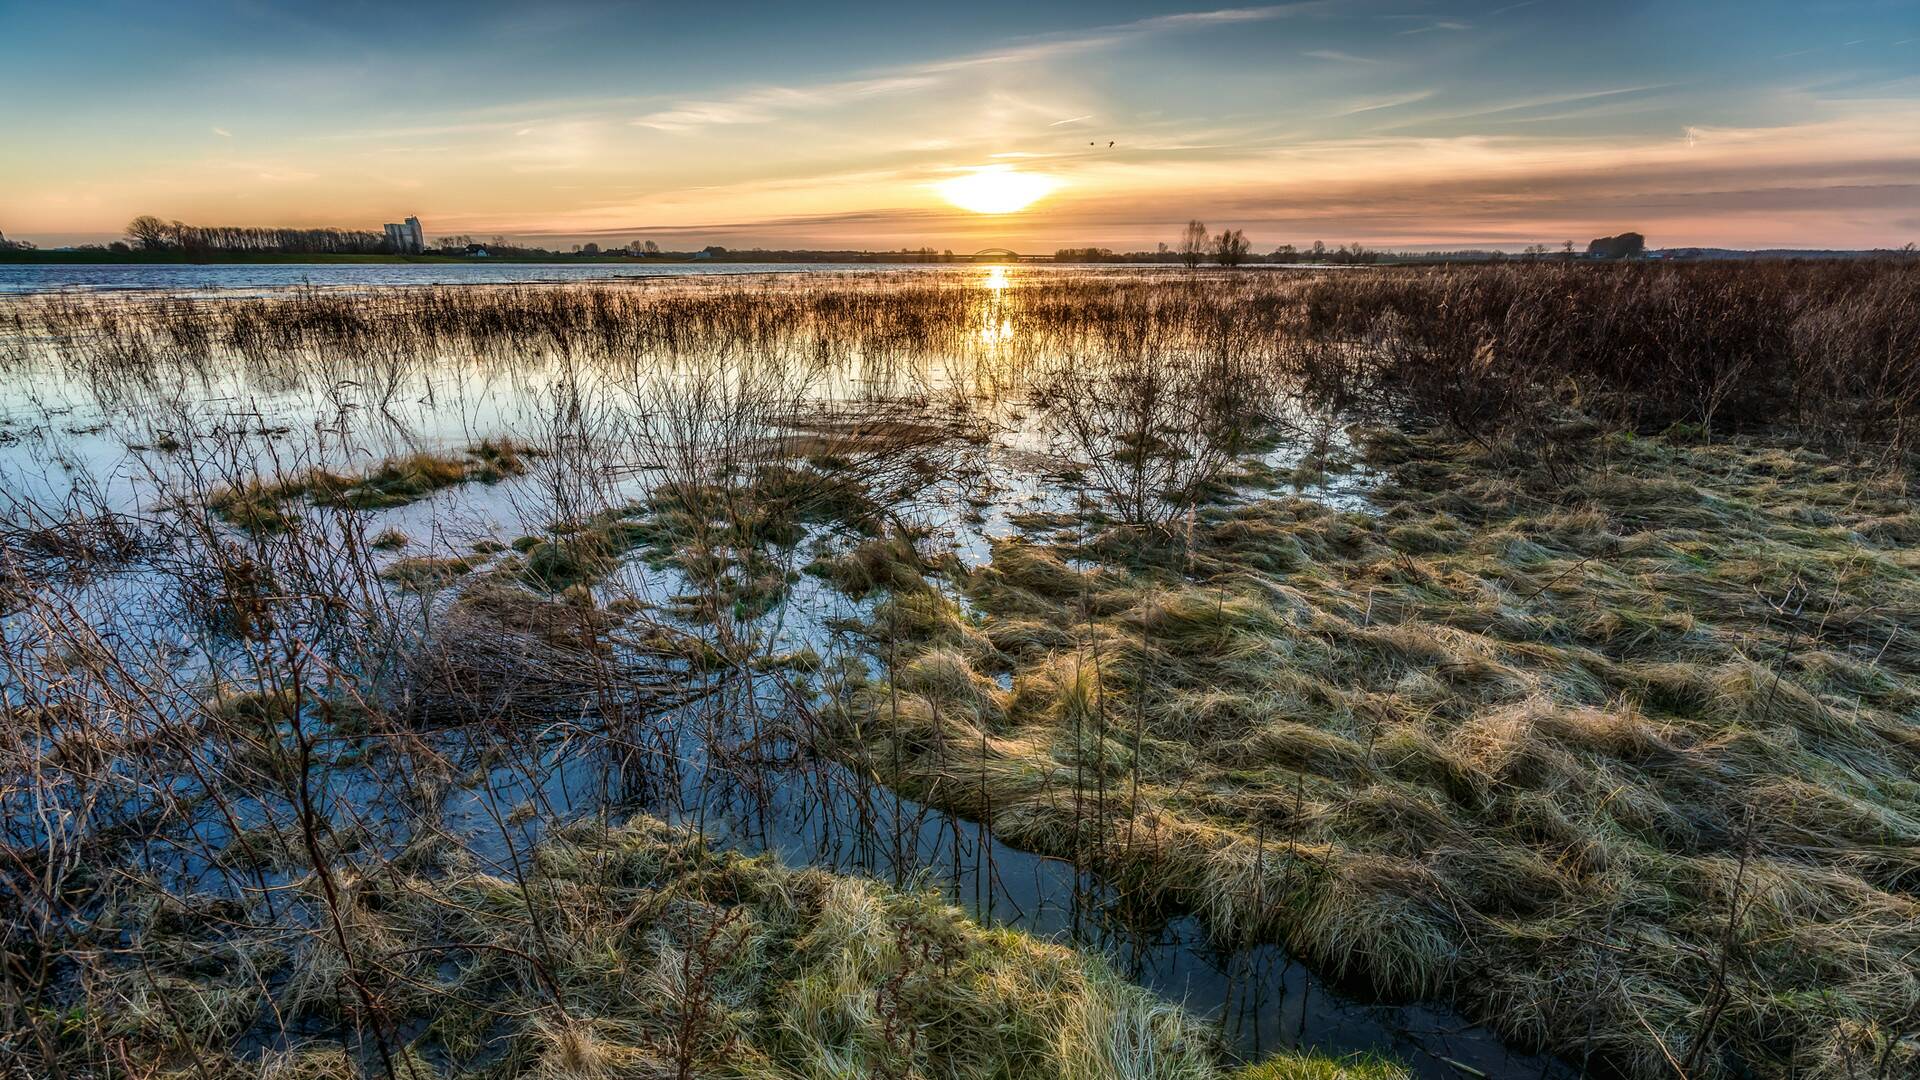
[[1596, 717]]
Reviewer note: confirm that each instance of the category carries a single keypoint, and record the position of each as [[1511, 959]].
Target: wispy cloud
[[223, 133], [699, 114], [762, 105], [1430, 24], [1505, 108], [1810, 50], [1386, 103], [1338, 57], [456, 127], [1223, 16]]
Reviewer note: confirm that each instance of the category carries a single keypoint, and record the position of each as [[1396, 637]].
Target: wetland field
[[1503, 672]]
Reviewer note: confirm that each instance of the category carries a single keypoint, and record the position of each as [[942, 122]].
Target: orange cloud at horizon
[[1843, 182]]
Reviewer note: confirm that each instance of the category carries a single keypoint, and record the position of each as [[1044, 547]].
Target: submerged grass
[[263, 506], [423, 573], [1621, 757]]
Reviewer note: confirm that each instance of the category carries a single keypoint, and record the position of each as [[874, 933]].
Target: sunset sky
[[1396, 124]]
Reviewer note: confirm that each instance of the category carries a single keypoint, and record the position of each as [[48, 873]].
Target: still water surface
[[176, 277]]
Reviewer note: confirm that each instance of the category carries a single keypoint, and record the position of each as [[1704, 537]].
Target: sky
[[1407, 124]]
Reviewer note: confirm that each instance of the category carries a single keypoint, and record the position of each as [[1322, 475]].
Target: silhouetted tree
[[1193, 243], [1230, 247], [147, 232], [1628, 245]]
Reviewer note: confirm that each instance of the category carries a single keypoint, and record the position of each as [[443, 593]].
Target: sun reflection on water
[[996, 328], [996, 334]]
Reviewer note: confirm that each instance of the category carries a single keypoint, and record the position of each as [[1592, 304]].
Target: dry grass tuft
[[637, 952]]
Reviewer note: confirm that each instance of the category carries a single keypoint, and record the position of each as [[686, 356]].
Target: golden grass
[[634, 951], [1621, 757]]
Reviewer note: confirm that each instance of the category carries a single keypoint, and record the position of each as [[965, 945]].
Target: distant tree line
[[1196, 245], [149, 233], [1230, 247], [1355, 254]]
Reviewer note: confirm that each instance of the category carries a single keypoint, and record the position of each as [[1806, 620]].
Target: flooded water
[[90, 417], [249, 277]]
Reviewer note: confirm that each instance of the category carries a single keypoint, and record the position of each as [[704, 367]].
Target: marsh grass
[[636, 951], [262, 506], [1625, 764], [1607, 737]]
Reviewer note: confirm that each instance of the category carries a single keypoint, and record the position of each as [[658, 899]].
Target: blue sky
[[1394, 124]]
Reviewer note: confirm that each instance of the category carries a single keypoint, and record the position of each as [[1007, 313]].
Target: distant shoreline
[[789, 258], [175, 258]]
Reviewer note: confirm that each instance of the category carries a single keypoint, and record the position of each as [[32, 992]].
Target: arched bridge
[[997, 254]]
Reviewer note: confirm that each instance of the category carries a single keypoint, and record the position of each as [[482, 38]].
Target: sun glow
[[996, 189]]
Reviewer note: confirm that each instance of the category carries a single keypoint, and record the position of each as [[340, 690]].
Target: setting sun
[[996, 189]]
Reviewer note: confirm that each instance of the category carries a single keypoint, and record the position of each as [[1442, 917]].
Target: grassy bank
[[1617, 750], [631, 951]]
